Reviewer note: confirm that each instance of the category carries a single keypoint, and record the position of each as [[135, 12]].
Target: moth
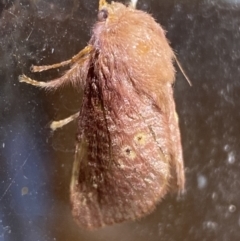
[[128, 149]]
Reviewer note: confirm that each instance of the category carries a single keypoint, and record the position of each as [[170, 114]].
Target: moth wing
[[177, 181], [122, 163]]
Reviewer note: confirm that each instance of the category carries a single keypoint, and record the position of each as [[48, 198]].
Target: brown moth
[[128, 152]]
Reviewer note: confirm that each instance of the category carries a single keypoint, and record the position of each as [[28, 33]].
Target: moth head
[[111, 11]]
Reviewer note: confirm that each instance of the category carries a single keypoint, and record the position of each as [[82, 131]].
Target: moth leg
[[73, 75], [74, 59], [59, 124]]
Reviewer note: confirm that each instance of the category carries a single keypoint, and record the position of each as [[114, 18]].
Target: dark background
[[35, 164]]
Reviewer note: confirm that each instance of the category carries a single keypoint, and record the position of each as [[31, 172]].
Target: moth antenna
[[181, 69], [133, 3]]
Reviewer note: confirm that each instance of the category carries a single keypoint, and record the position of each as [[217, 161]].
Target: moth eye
[[127, 151], [102, 15]]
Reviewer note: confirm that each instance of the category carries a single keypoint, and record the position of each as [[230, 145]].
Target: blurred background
[[35, 164]]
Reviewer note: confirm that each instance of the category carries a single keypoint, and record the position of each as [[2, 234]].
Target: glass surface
[[36, 164]]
